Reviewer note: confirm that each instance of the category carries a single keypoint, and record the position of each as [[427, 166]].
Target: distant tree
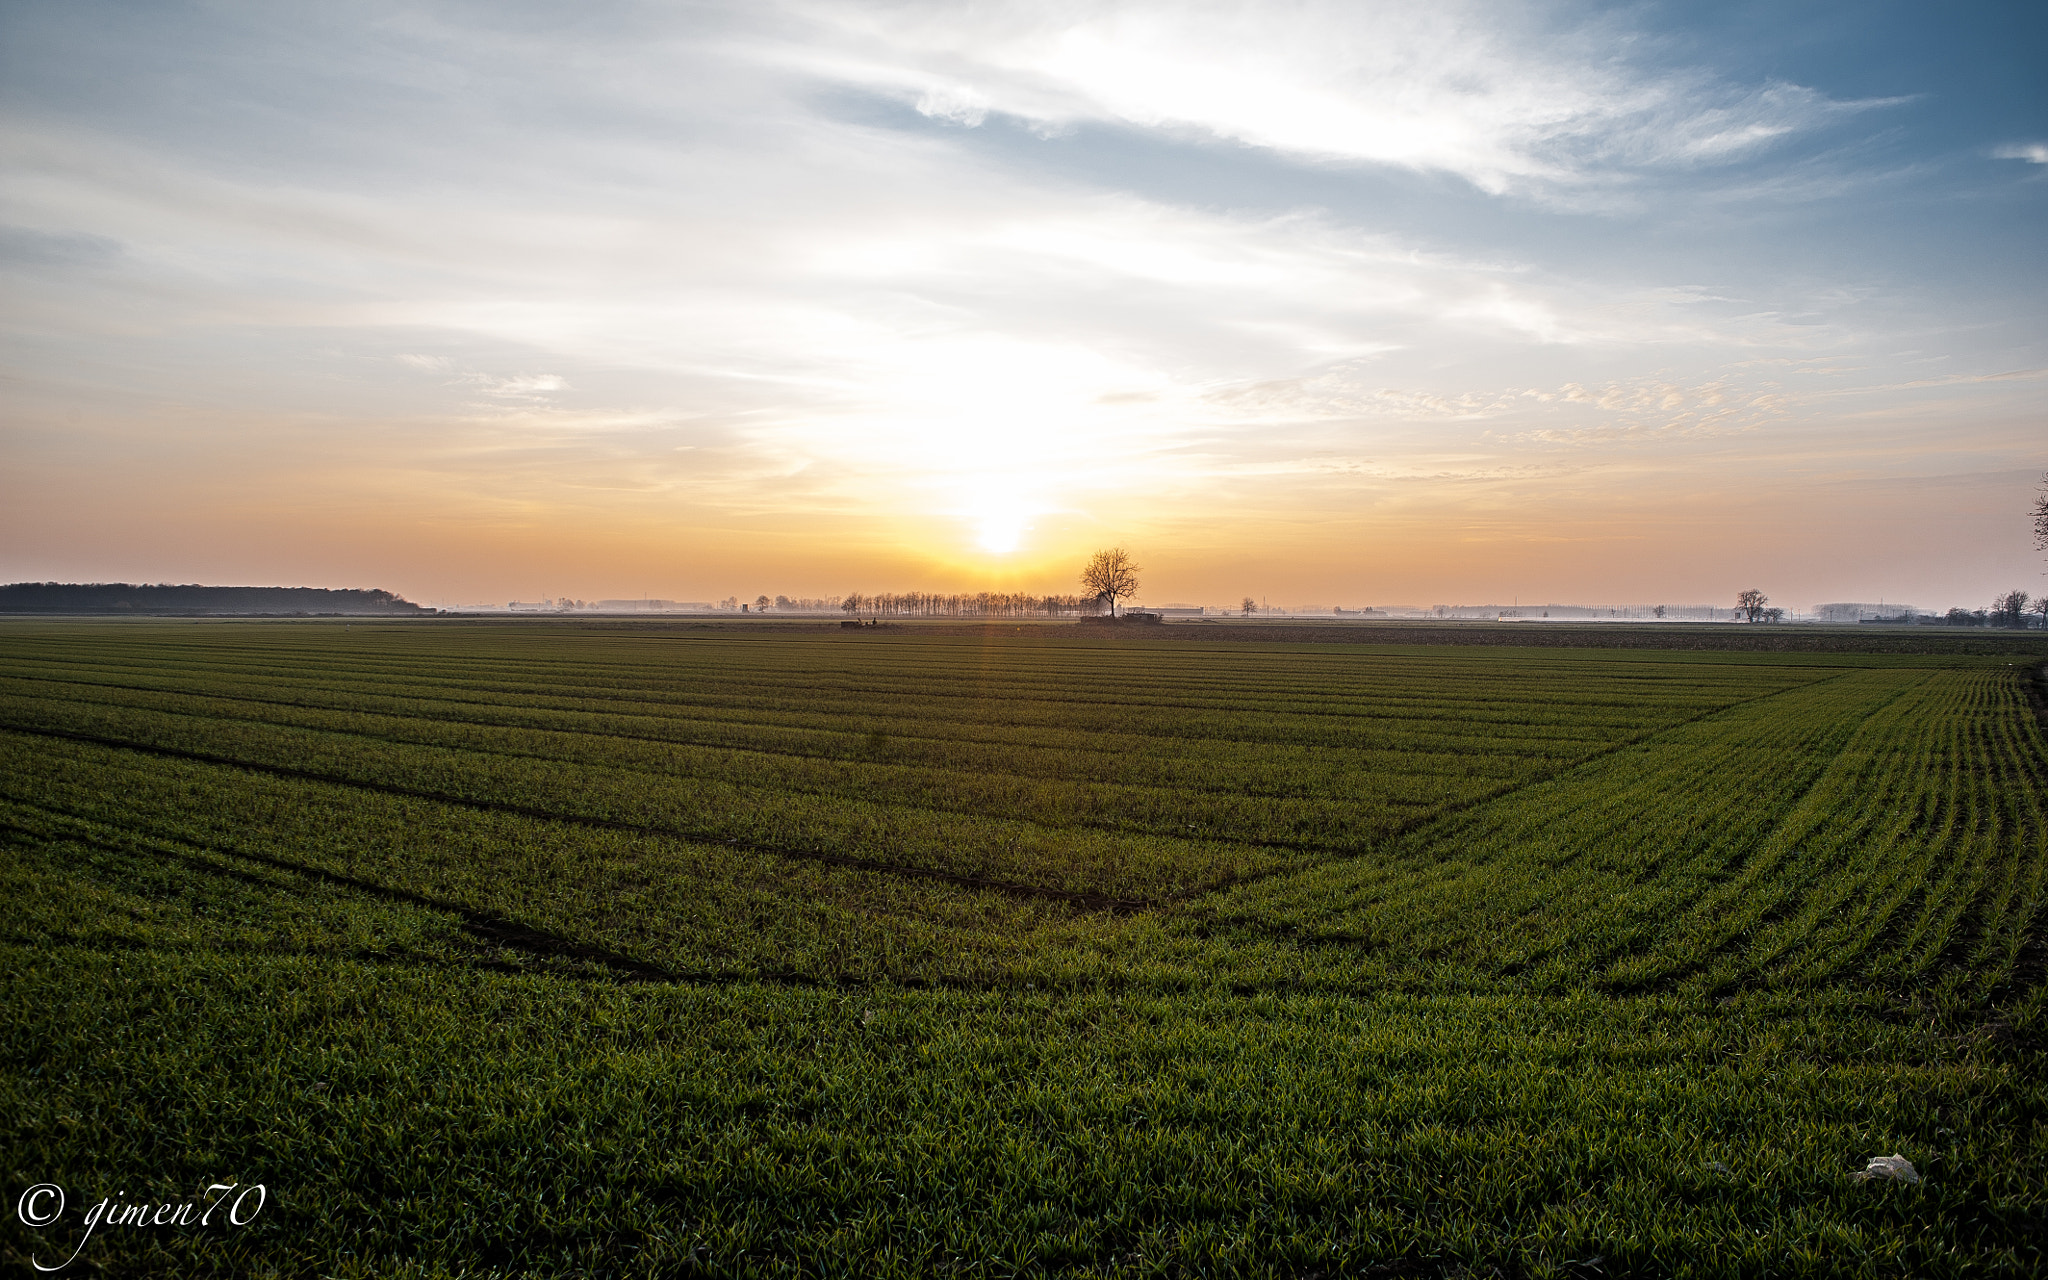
[[2041, 517], [2041, 607], [851, 604], [2009, 610], [1249, 607], [1659, 611], [1774, 615], [1751, 604], [1111, 574], [760, 603]]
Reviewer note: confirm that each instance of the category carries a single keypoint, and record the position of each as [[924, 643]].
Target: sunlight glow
[[1001, 532]]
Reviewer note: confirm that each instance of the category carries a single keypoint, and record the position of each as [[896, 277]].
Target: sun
[[1001, 533], [998, 510]]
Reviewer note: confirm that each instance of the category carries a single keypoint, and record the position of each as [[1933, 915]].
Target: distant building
[[1853, 612], [655, 606]]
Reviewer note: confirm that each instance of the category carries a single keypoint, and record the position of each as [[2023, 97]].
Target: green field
[[548, 949]]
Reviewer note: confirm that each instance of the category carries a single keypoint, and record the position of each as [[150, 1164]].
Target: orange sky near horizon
[[1686, 536]]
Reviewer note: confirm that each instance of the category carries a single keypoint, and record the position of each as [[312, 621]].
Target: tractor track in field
[[2034, 682], [1405, 829], [485, 925], [481, 924], [1085, 901]]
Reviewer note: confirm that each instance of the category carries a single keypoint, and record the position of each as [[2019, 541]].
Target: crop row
[[676, 787], [1396, 720], [692, 908], [874, 781], [1325, 797], [1880, 826], [1208, 763], [1067, 859], [1887, 827], [741, 674], [1496, 713]]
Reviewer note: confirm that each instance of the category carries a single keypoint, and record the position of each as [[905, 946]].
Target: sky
[[1323, 303]]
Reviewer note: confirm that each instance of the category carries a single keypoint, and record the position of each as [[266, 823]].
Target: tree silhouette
[[2009, 610], [2041, 517], [1111, 573], [1752, 603]]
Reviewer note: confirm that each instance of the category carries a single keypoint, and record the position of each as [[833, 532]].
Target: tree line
[[1109, 576], [2012, 608], [193, 598], [981, 604], [2007, 610]]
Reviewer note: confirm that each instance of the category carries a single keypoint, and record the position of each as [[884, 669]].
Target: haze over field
[[1312, 301]]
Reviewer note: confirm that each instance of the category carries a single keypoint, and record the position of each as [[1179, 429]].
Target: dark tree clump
[[1111, 574]]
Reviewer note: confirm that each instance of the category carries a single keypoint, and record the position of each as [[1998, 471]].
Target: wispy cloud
[[524, 386], [1501, 97]]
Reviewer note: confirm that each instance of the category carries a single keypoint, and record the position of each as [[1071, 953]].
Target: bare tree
[[2009, 610], [1110, 574], [1249, 607], [1751, 604], [2041, 517], [1659, 611]]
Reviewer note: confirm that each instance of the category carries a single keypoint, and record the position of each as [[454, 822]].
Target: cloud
[[1492, 94], [2031, 152], [861, 312], [954, 104], [528, 387], [526, 384], [523, 388]]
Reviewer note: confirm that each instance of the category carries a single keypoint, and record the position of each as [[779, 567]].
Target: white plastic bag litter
[[1897, 1168]]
